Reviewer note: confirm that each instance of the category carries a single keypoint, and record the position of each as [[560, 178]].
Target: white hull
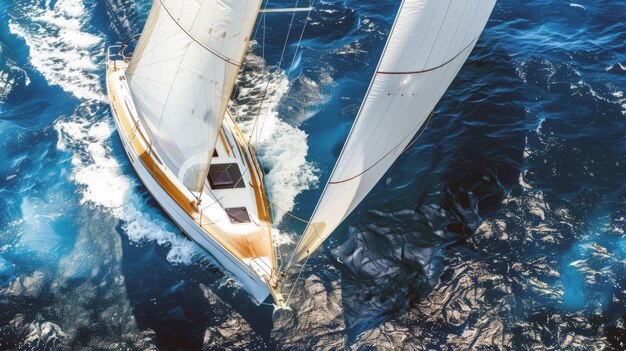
[[250, 281], [248, 275]]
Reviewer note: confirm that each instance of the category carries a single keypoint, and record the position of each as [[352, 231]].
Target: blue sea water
[[501, 228]]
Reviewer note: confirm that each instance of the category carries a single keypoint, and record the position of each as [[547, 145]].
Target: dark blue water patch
[[32, 171], [169, 300], [7, 272], [386, 270], [331, 25]]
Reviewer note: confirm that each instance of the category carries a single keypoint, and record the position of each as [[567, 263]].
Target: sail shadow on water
[[386, 270], [180, 304], [394, 257], [434, 198]]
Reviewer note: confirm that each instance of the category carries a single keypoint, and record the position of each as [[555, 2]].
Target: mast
[[182, 76], [427, 46]]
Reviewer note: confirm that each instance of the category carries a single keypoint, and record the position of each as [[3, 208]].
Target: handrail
[[121, 48]]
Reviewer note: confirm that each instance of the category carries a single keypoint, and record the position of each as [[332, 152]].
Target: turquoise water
[[502, 228]]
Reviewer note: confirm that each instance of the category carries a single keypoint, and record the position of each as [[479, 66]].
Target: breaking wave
[[105, 185], [60, 46], [281, 146]]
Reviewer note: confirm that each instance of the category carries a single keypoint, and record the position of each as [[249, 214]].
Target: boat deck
[[235, 216]]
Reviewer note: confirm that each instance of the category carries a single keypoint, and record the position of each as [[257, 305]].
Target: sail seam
[[389, 153], [222, 57], [297, 251], [433, 68], [445, 17], [398, 73], [396, 147]]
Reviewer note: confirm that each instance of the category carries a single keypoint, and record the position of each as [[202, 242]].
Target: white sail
[[182, 76], [429, 42]]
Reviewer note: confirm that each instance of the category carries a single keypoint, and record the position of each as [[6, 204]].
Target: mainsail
[[182, 75], [429, 42]]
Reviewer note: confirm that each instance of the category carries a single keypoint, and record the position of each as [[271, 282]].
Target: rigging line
[[255, 121], [283, 264], [217, 201], [289, 71], [289, 213], [258, 134], [280, 62], [222, 57], [295, 250], [385, 156], [293, 60], [296, 281], [255, 125], [259, 23], [261, 174], [432, 68], [264, 35]]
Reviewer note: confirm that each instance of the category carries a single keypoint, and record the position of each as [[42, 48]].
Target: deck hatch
[[225, 176], [238, 215]]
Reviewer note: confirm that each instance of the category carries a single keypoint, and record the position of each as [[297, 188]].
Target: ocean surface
[[501, 228]]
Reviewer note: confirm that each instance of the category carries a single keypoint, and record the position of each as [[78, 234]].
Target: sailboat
[[169, 101]]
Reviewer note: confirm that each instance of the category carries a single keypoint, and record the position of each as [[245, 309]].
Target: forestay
[[182, 76], [429, 42]]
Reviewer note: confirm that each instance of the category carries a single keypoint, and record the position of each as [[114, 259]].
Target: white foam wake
[[104, 185], [64, 52], [619, 95], [6, 84], [60, 48], [281, 147], [577, 5]]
